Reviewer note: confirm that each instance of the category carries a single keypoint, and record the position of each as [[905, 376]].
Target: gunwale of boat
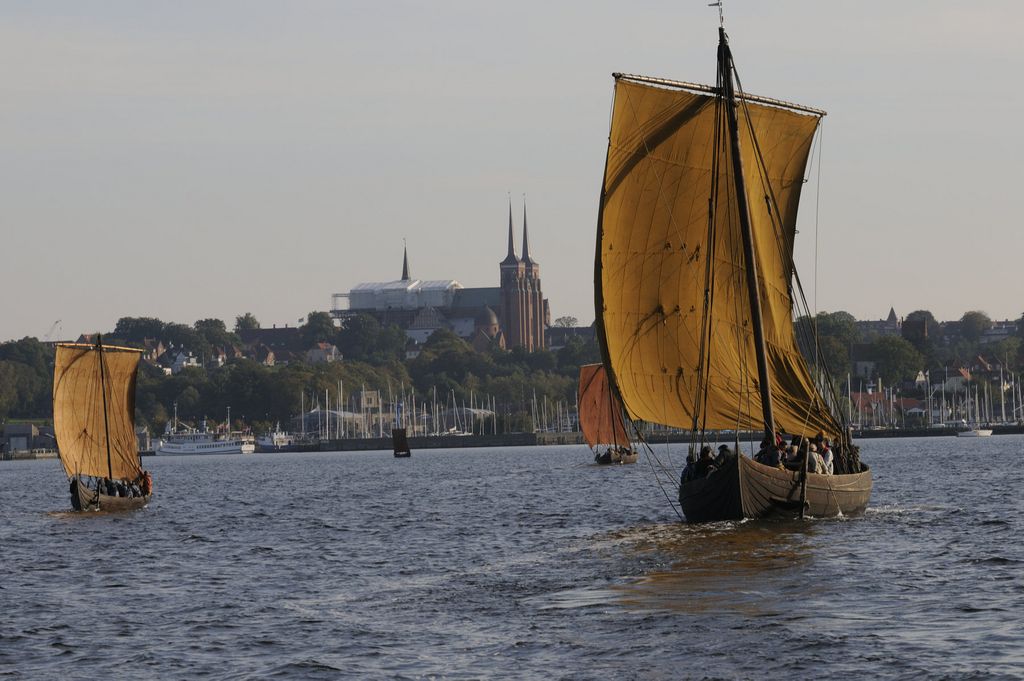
[[611, 457], [765, 490], [104, 503], [750, 489]]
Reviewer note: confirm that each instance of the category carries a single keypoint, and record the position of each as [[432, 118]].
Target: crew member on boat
[[793, 460], [725, 456], [769, 454], [814, 462], [706, 464], [825, 449], [146, 483], [690, 470]]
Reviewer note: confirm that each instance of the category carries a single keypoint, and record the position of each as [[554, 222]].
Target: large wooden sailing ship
[[601, 420], [695, 288], [94, 422]]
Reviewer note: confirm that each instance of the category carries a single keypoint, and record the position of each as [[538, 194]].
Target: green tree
[[575, 353], [215, 333], [246, 322], [835, 356], [30, 352], [357, 338], [244, 386], [137, 329], [566, 322], [922, 315], [391, 342], [27, 378], [445, 339], [1007, 352], [897, 360], [8, 388], [917, 326], [183, 337], [213, 326], [319, 327], [973, 324], [839, 325], [447, 362], [188, 401]]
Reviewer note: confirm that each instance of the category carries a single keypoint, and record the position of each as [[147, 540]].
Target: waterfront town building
[[890, 326], [511, 315]]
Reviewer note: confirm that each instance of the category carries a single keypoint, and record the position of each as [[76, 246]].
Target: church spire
[[405, 262], [526, 239], [511, 258]]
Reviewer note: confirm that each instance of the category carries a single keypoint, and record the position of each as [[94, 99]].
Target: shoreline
[[540, 440]]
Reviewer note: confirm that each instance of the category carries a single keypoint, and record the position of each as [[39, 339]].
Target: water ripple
[[519, 563]]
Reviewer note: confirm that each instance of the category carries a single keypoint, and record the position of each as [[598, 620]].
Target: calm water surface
[[515, 563]]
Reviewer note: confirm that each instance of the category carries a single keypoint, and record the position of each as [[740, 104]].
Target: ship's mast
[[103, 391], [725, 67]]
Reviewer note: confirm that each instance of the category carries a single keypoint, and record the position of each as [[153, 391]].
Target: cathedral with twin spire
[[524, 312], [514, 314]]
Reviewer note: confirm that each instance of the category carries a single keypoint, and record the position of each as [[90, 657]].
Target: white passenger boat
[[281, 441], [200, 440]]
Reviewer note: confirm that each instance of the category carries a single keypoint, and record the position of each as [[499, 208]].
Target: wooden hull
[[747, 489], [90, 500], [609, 456], [716, 497]]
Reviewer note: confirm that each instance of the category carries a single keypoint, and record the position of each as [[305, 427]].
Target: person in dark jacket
[[705, 464], [689, 470], [725, 456]]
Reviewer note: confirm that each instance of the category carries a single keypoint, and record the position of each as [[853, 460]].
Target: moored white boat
[[202, 441], [206, 443], [975, 432], [282, 441]]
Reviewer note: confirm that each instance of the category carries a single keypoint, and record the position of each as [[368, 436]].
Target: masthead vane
[[721, 12]]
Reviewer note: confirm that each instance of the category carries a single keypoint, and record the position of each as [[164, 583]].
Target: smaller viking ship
[[400, 443], [94, 422], [601, 420]]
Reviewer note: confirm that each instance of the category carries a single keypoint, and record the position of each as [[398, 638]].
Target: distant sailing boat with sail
[[600, 414], [972, 425], [94, 422], [695, 288]]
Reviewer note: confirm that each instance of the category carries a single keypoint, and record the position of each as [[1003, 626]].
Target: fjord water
[[511, 563]]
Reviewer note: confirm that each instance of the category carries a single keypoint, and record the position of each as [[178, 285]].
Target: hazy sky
[[186, 160]]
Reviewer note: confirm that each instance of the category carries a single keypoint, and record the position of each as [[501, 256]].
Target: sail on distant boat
[[695, 286], [94, 423], [601, 420]]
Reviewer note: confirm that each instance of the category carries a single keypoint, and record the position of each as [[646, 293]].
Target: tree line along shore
[[205, 368]]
